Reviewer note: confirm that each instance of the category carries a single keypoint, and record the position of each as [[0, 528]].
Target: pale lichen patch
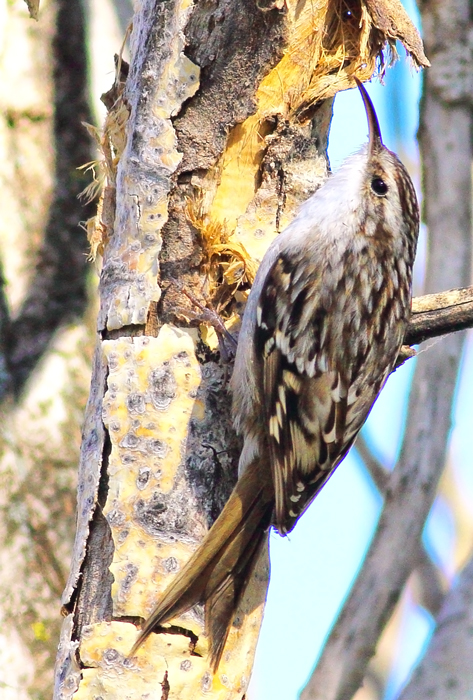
[[110, 674], [150, 403]]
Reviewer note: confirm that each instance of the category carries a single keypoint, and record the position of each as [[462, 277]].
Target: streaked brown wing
[[316, 394], [306, 434]]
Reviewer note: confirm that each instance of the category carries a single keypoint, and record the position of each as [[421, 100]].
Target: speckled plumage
[[329, 310], [321, 332]]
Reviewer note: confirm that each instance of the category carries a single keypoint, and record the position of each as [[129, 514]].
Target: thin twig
[[431, 592], [377, 471]]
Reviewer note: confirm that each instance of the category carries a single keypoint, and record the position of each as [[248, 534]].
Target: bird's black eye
[[379, 187]]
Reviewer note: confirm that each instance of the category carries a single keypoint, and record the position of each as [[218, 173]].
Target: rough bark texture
[[445, 137], [232, 58]]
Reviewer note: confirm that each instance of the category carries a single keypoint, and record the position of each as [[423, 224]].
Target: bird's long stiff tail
[[219, 570]]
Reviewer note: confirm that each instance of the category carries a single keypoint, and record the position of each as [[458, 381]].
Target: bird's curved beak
[[374, 131]]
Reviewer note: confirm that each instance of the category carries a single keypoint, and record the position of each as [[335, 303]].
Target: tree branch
[[377, 471], [431, 592], [434, 315], [439, 314]]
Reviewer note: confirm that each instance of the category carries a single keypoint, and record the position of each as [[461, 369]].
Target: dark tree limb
[[434, 315], [57, 292], [5, 379]]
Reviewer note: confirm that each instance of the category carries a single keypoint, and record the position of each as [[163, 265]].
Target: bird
[[321, 332]]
